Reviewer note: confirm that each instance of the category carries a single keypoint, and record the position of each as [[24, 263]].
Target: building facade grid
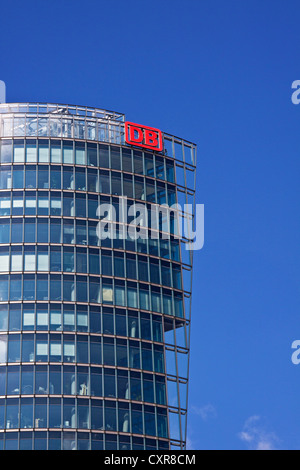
[[94, 333]]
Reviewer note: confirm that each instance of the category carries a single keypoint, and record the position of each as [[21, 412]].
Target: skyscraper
[[94, 297]]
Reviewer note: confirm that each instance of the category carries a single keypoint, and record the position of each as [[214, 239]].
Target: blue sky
[[219, 74]]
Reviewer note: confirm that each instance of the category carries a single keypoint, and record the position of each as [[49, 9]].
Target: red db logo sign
[[143, 136]]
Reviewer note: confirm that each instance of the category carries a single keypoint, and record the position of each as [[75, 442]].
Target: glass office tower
[[94, 330]]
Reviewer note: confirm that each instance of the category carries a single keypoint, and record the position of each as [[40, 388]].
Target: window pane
[[79, 154], [4, 261], [68, 152], [43, 152]]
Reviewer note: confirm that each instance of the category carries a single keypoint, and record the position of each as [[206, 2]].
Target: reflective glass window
[[81, 289], [16, 231], [17, 203], [42, 258], [94, 261], [55, 258], [68, 204], [68, 152], [43, 177], [170, 171], [109, 383], [68, 178], [54, 413], [68, 232], [55, 379], [30, 203], [69, 318], [42, 317], [30, 177], [55, 151], [41, 348], [14, 317], [4, 288], [137, 421], [41, 380], [15, 287], [92, 180], [42, 287], [4, 230], [96, 382], [138, 162], [147, 356], [95, 320], [159, 167], [94, 289], [69, 348], [82, 318], [95, 350], [12, 414], [55, 177], [81, 260], [121, 329], [82, 352], [149, 166], [97, 415], [5, 177], [80, 153], [121, 353], [18, 177], [5, 204], [13, 380], [83, 415], [149, 418], [68, 288], [55, 318], [31, 151], [103, 156], [120, 293], [43, 203], [106, 263], [4, 259], [80, 182], [3, 351], [80, 204], [104, 180], [110, 416], [55, 287], [27, 380], [28, 317], [14, 348], [130, 266], [160, 390], [19, 151], [69, 413], [92, 205], [107, 292], [6, 151], [28, 287], [132, 299], [40, 413], [43, 151], [3, 317], [81, 232], [119, 264], [2, 414], [92, 154]]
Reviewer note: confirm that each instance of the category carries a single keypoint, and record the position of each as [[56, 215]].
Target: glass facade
[[94, 330]]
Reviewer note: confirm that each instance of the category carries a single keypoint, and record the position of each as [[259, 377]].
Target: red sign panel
[[143, 136]]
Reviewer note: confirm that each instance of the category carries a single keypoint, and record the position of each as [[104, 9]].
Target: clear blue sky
[[218, 73]]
